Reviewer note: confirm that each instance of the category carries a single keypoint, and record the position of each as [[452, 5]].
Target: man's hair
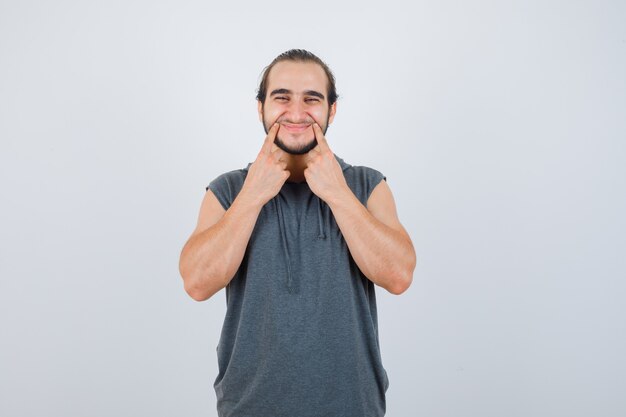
[[298, 55]]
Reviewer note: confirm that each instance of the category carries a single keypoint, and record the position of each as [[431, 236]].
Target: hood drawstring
[[283, 237], [283, 228], [320, 216]]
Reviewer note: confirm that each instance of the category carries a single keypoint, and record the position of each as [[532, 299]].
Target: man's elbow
[[199, 289], [194, 290], [195, 294], [402, 280], [401, 284]]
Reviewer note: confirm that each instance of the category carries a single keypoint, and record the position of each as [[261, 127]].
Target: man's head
[[297, 89]]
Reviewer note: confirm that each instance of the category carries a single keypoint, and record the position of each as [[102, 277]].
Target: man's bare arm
[[380, 246], [213, 253]]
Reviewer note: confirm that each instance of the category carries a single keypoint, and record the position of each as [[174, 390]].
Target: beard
[[302, 149]]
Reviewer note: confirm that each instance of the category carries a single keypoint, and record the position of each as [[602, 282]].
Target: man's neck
[[296, 164]]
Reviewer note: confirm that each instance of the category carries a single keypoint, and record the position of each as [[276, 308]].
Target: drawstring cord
[[281, 226], [320, 215], [283, 236]]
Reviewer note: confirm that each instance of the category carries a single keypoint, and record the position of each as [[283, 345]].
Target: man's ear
[[332, 111], [260, 110]]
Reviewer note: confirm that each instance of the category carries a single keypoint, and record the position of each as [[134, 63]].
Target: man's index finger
[[321, 139], [269, 139]]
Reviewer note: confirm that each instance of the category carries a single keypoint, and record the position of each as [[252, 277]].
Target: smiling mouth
[[295, 128]]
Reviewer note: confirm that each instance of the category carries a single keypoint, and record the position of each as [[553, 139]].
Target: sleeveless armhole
[[374, 178], [225, 187], [218, 191], [362, 180]]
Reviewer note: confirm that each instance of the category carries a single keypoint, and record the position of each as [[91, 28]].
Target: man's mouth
[[295, 127]]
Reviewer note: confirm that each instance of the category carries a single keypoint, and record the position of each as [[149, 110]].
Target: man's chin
[[296, 151]]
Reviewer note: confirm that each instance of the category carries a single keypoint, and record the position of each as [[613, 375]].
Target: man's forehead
[[297, 77]]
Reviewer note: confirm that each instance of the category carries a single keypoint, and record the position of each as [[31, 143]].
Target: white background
[[500, 127]]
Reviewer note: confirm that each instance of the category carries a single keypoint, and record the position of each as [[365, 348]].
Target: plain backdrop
[[500, 126]]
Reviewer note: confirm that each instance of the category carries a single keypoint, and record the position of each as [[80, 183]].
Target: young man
[[298, 238]]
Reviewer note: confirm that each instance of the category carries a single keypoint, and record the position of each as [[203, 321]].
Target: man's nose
[[298, 111]]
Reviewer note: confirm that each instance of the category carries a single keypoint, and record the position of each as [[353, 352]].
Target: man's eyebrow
[[306, 93]]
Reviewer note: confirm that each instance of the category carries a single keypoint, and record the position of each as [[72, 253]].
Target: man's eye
[[312, 99], [281, 98]]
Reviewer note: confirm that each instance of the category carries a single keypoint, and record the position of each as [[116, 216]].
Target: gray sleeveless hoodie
[[300, 334]]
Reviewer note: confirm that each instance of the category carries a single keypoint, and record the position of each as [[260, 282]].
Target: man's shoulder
[[234, 174], [362, 179], [363, 173], [230, 178], [362, 168], [357, 171]]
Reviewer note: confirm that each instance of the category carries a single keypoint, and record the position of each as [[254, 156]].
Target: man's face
[[296, 97]]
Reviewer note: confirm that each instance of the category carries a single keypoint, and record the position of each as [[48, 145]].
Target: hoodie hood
[[281, 222]]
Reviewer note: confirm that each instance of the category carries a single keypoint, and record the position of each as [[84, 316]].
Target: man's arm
[[379, 244], [213, 253], [216, 248]]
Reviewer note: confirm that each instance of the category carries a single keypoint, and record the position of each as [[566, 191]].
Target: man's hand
[[323, 172], [267, 173]]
